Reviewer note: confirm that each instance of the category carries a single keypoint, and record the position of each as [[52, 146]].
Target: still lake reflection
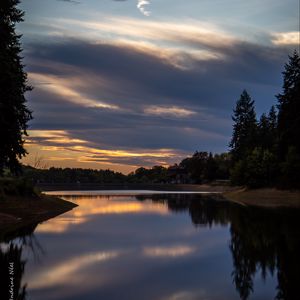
[[156, 246]]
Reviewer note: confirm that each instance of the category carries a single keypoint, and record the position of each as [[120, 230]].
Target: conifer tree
[[14, 114], [289, 108], [244, 135], [267, 130]]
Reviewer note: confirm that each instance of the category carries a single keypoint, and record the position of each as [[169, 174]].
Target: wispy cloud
[[70, 1], [173, 111], [142, 6], [65, 89], [60, 149]]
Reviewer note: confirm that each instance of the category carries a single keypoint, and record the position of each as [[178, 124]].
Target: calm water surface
[[158, 246]]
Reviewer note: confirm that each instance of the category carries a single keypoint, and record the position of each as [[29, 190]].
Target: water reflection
[[66, 272], [12, 263], [262, 242], [174, 251], [100, 205]]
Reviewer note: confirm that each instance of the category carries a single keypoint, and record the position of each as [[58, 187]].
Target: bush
[[290, 170], [17, 187], [258, 169]]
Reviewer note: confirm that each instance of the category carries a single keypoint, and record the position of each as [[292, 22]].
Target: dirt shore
[[267, 197], [16, 212]]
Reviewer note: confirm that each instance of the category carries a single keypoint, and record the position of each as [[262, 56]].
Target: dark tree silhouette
[[289, 124], [244, 129], [14, 115], [267, 130], [289, 107]]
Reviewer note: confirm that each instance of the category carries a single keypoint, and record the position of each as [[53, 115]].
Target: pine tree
[[267, 130], [244, 135], [14, 115], [289, 108], [272, 117]]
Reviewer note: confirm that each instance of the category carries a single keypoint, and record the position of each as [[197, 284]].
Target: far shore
[[136, 186]]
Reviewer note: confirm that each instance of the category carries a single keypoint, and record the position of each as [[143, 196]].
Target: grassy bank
[[22, 205], [266, 197]]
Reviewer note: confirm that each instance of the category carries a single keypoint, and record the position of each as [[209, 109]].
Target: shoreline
[[264, 197], [18, 212]]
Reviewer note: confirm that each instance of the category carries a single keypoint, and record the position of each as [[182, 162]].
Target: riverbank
[[266, 197], [17, 212]]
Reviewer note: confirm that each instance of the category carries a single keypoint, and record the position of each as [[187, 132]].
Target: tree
[[290, 169], [289, 108], [210, 170], [267, 130], [245, 128], [14, 115]]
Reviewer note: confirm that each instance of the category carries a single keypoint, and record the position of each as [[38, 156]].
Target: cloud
[[60, 147], [63, 89], [142, 6], [168, 111], [139, 97], [70, 1], [286, 38], [189, 35]]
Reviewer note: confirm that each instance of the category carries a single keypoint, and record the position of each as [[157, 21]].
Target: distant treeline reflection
[[262, 240]]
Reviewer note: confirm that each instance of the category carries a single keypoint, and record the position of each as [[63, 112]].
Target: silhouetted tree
[[244, 137], [267, 130], [244, 129], [289, 107], [210, 170], [14, 115]]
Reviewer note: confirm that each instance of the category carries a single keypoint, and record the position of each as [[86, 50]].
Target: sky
[[120, 84]]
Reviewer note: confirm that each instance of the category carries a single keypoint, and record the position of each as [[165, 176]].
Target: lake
[[152, 245]]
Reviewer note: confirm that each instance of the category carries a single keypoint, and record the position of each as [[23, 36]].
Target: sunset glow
[[125, 84]]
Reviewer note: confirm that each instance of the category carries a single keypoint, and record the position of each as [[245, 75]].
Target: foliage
[[289, 108], [244, 137], [14, 115], [201, 167], [204, 167], [156, 174], [69, 175], [268, 153], [17, 187], [290, 169]]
